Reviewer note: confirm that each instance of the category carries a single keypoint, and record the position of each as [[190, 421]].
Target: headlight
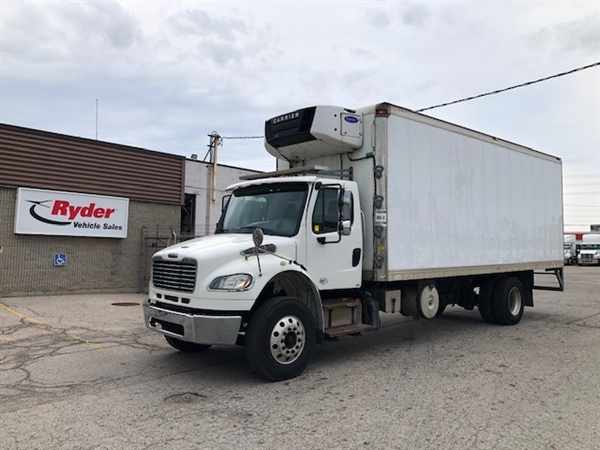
[[235, 282]]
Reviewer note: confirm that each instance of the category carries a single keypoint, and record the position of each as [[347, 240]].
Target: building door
[[188, 216]]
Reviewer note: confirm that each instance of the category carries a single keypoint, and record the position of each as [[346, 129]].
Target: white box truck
[[589, 250], [374, 210]]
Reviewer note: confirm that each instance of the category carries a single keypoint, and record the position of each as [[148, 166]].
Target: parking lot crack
[[574, 321]]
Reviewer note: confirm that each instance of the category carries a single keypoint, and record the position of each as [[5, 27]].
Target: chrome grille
[[174, 275], [587, 258]]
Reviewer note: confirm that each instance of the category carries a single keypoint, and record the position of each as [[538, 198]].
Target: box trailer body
[[453, 201], [380, 209]]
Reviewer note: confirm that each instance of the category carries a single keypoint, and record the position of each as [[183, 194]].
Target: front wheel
[[184, 346], [280, 338]]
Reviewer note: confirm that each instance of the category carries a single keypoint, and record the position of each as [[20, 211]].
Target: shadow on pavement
[[229, 363]]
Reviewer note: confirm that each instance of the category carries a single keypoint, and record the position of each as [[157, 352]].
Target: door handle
[[356, 257]]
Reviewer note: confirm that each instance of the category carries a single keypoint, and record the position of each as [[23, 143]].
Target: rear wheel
[[508, 301], [186, 347], [428, 301], [280, 339]]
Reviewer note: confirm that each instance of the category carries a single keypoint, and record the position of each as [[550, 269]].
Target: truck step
[[341, 302], [348, 329]]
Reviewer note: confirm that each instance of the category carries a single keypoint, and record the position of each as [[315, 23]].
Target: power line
[[474, 97], [498, 91], [242, 137]]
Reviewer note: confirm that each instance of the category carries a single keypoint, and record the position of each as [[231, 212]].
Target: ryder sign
[[70, 214]]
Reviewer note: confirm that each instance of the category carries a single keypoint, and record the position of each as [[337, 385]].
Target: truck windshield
[[276, 208], [590, 247]]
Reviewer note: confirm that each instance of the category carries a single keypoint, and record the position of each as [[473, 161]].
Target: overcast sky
[[167, 73]]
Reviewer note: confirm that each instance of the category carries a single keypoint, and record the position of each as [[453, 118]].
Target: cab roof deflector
[[303, 170]]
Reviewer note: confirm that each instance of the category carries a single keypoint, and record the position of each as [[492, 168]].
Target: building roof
[[45, 160], [69, 137]]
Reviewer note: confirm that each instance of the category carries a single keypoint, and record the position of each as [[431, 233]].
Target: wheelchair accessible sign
[[59, 260]]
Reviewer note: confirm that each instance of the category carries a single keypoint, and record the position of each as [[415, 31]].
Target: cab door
[[334, 259]]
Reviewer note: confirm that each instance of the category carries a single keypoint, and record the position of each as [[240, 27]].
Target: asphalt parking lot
[[78, 372]]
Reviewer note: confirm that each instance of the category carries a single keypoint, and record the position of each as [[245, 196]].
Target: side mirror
[[257, 237], [345, 228]]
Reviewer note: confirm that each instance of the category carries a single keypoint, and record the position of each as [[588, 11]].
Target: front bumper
[[200, 329], [588, 261]]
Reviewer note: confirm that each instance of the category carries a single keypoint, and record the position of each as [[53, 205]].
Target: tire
[[508, 303], [186, 347], [280, 339], [429, 300], [485, 305]]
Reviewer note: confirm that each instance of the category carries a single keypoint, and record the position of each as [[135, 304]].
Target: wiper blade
[[238, 230], [251, 228], [273, 232]]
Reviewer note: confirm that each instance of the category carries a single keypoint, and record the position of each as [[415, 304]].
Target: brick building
[[151, 181], [165, 198]]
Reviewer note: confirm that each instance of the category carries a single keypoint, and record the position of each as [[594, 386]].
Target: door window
[[326, 210], [348, 208]]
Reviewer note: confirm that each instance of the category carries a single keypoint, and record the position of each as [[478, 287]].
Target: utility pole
[[215, 140], [213, 149]]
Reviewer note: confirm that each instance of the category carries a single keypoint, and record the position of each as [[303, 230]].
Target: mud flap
[[371, 311]]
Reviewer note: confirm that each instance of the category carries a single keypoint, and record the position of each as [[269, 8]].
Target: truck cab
[[316, 217], [589, 250], [203, 291]]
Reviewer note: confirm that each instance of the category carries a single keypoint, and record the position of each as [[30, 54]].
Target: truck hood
[[215, 251], [589, 252]]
